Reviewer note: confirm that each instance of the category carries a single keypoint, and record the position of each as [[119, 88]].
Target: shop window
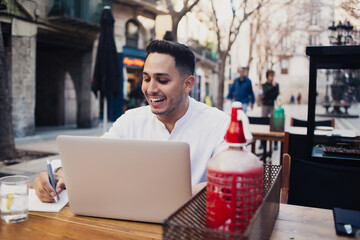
[[207, 89], [284, 44], [314, 18], [313, 39], [132, 33]]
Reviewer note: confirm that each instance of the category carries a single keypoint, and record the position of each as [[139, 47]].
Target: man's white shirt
[[202, 127]]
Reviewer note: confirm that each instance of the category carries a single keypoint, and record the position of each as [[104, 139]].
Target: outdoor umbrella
[[106, 77]]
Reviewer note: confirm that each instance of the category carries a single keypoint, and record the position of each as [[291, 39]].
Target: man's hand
[[274, 83], [43, 189], [251, 106]]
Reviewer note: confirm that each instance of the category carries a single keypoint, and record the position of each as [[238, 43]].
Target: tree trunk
[[175, 24], [220, 97], [7, 145], [251, 43]]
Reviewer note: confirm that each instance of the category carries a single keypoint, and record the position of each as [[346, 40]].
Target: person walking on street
[[270, 91], [241, 90]]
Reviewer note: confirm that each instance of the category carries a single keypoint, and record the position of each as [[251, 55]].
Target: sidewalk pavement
[[44, 140]]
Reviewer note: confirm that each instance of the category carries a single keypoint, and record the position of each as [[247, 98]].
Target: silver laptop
[[125, 179]]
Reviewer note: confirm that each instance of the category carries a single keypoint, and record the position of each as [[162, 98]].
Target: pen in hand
[[51, 178]]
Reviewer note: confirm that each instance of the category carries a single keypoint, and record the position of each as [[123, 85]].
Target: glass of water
[[14, 198]]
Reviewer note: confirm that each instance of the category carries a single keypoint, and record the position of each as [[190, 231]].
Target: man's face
[[164, 88], [242, 72], [270, 77]]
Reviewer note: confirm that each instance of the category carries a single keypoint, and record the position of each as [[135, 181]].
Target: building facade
[[50, 50]]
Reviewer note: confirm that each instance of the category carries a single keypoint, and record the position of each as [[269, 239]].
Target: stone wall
[[23, 84], [81, 72], [70, 101]]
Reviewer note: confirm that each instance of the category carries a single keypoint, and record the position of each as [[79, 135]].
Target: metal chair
[[294, 122], [260, 121]]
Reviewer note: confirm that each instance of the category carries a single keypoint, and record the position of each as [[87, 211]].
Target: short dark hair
[[184, 57], [268, 72]]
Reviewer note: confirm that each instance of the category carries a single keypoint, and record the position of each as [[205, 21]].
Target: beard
[[172, 105]]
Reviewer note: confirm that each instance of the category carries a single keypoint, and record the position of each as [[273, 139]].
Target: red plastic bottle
[[234, 179]]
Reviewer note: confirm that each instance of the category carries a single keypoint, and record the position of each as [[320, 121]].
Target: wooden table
[[294, 222], [297, 222], [66, 225], [262, 132]]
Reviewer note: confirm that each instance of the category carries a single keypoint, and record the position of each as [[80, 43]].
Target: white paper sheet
[[35, 205]]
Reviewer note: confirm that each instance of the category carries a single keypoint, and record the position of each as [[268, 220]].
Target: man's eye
[[163, 81], [146, 79]]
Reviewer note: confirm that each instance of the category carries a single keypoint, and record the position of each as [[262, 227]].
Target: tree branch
[[193, 4], [186, 8], [217, 29], [170, 6]]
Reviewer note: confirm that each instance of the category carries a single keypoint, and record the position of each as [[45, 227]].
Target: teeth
[[156, 99]]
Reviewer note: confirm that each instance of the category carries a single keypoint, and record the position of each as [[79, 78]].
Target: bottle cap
[[238, 132], [236, 105]]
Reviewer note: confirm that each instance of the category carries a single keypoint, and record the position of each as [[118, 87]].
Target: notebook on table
[[125, 179]]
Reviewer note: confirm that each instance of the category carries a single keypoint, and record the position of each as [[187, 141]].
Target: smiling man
[[168, 77]]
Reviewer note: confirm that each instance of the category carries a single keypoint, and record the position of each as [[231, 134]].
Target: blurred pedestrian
[[292, 99], [299, 98], [271, 91], [241, 90]]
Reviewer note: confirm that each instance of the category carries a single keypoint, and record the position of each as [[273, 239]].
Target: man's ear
[[189, 83]]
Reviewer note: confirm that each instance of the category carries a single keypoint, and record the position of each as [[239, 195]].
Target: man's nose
[[153, 86]]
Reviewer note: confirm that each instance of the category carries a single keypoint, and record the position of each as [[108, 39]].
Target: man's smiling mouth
[[157, 100]]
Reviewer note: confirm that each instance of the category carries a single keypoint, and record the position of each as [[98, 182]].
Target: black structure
[[340, 35], [323, 185], [329, 57], [339, 59], [317, 179]]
